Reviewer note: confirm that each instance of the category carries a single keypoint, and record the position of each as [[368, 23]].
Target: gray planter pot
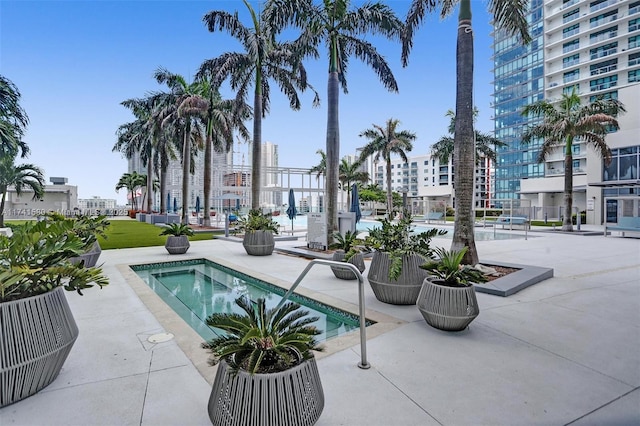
[[37, 334], [404, 290], [345, 274], [447, 308], [291, 397], [177, 244], [259, 243], [90, 258]]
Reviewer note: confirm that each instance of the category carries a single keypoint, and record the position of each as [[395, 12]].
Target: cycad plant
[[449, 269], [349, 243], [263, 340], [256, 221], [177, 230]]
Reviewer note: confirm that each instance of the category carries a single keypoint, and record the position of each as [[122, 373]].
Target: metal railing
[[341, 265]]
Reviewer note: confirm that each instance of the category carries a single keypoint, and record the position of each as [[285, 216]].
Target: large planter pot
[[259, 243], [36, 336], [177, 244], [447, 308], [90, 258], [404, 290], [292, 397], [345, 274]]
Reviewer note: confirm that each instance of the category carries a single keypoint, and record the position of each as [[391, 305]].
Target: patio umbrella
[[355, 202], [168, 207], [291, 210], [197, 204], [175, 205]]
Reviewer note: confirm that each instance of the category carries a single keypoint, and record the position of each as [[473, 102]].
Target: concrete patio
[[564, 351]]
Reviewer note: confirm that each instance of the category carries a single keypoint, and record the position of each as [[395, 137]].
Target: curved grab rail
[[342, 265]]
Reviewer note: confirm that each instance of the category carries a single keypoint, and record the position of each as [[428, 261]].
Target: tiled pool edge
[[190, 341]]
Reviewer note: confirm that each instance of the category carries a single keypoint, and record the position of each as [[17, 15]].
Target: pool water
[[198, 288], [365, 224]]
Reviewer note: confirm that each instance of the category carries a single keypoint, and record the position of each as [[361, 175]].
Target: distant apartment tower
[[270, 197], [97, 203], [592, 47]]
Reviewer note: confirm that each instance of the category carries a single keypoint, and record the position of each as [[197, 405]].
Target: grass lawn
[[132, 233]]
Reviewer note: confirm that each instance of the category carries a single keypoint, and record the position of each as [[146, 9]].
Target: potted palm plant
[[395, 275], [88, 228], [258, 230], [37, 328], [178, 238], [267, 373], [348, 249], [447, 299]]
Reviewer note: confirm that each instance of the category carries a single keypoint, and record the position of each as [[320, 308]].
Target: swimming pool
[[366, 224], [195, 289]]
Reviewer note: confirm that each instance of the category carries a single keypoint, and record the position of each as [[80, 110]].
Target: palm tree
[[485, 143], [20, 177], [351, 173], [131, 182], [508, 15], [264, 59], [321, 168], [565, 121], [344, 31], [384, 142], [181, 116], [13, 120]]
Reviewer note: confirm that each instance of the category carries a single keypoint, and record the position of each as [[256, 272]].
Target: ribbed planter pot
[[404, 290], [345, 274], [259, 243], [90, 258], [447, 308], [177, 244], [36, 336], [292, 397]]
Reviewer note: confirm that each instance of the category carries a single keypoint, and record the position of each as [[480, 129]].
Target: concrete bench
[[625, 224]]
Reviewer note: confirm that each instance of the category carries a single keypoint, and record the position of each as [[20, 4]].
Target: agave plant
[[448, 268], [263, 340]]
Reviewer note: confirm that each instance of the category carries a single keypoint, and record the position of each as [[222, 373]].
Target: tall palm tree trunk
[[186, 169], [333, 154], [163, 185], [256, 149], [567, 225], [207, 179], [2, 200], [464, 149], [389, 192], [150, 183]]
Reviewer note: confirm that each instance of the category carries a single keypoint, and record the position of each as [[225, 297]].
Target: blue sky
[[75, 61]]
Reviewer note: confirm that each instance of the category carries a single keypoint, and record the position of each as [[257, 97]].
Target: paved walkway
[[565, 351]]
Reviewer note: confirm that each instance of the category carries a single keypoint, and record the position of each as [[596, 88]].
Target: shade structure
[[198, 204], [355, 202], [291, 210]]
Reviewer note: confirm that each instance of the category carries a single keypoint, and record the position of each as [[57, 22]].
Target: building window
[[604, 67], [570, 46], [600, 4], [603, 34], [634, 42], [634, 7], [605, 50], [572, 30], [634, 59], [603, 18], [624, 164], [634, 76], [570, 61], [569, 89], [604, 96], [570, 16], [634, 24], [603, 83], [571, 76]]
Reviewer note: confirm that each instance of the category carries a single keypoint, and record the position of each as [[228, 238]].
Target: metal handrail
[[341, 265]]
